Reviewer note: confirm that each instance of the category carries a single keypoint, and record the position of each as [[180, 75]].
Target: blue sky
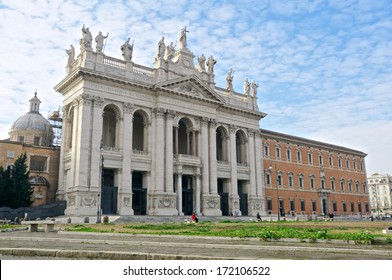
[[324, 67]]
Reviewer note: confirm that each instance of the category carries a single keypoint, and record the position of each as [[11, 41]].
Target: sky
[[324, 67]]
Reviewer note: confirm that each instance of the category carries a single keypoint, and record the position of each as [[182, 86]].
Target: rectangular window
[[344, 207], [278, 152], [299, 158], [268, 179], [279, 180], [303, 205], [355, 165], [357, 187], [269, 204], [341, 186], [333, 186], [320, 159], [288, 154], [334, 206], [290, 181], [39, 163], [366, 207], [312, 183], [266, 151], [352, 206], [359, 207], [330, 162], [301, 182], [36, 140], [322, 184], [292, 205], [340, 163], [350, 187], [10, 154], [347, 163], [310, 159], [314, 206], [21, 139]]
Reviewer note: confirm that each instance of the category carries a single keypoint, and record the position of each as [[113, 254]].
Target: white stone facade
[[157, 141], [380, 194]]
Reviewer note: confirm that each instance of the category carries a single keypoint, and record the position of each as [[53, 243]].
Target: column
[[252, 166], [198, 191], [125, 186], [258, 165], [179, 194], [83, 138], [204, 156], [259, 172], [212, 157], [97, 122], [233, 160], [234, 202], [159, 150], [176, 140], [169, 152]]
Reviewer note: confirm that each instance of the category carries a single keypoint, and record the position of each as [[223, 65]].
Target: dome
[[32, 128], [32, 121]]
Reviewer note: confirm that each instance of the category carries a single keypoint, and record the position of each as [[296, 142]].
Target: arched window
[[109, 129], [139, 132], [186, 137], [240, 146], [221, 144]]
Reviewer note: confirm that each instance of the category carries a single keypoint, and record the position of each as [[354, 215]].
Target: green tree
[[5, 185], [21, 189]]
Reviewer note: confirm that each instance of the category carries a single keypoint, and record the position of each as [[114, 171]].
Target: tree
[[21, 190], [5, 185]]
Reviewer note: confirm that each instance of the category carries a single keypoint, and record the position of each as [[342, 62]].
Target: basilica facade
[[163, 140]]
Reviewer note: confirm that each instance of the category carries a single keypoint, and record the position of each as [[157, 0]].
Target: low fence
[[42, 212]]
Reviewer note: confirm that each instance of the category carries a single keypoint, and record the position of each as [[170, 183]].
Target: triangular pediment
[[191, 86]]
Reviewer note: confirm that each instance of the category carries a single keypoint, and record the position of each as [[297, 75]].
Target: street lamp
[[277, 191]]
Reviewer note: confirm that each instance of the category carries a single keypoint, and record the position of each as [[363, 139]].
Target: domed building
[[32, 128], [33, 134]]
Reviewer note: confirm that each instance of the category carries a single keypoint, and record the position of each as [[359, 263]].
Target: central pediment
[[190, 86]]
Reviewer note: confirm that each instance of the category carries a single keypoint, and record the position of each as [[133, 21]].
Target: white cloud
[[324, 68]]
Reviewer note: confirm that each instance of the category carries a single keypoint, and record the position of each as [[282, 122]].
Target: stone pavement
[[66, 245]]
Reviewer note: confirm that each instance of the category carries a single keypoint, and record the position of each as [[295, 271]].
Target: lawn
[[361, 232]]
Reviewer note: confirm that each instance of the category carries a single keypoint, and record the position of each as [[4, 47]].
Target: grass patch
[[361, 233]]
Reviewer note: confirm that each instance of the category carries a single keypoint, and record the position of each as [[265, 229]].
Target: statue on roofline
[[127, 50], [182, 40]]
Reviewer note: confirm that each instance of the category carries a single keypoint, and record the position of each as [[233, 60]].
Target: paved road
[[121, 246]]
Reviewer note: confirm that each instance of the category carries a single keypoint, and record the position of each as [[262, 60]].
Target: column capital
[[233, 128], [204, 121], [170, 114], [98, 101], [128, 107], [213, 123], [158, 112]]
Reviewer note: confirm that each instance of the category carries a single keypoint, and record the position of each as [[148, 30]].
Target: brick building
[[307, 177]]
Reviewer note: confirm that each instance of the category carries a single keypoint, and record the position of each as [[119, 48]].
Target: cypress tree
[[21, 187]]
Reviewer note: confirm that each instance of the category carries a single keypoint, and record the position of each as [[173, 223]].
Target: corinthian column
[[204, 156], [169, 152], [212, 158], [159, 151]]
